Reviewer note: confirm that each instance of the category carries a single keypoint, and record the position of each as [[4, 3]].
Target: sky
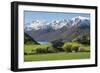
[[30, 16]]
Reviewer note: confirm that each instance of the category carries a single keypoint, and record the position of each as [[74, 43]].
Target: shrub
[[41, 50], [67, 47], [82, 49], [51, 50], [87, 50], [25, 53], [45, 50], [75, 48], [33, 51]]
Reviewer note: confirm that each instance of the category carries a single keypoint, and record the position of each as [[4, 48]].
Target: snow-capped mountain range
[[57, 24], [66, 29]]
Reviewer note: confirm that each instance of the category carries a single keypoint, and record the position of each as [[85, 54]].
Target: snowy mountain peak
[[57, 24], [36, 25], [80, 18]]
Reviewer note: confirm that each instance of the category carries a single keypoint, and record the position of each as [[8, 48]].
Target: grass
[[57, 56]]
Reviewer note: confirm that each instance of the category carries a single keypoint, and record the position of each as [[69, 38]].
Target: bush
[[51, 50], [45, 50], [87, 50], [67, 47], [41, 50], [25, 53], [75, 48], [33, 51], [71, 46], [82, 49]]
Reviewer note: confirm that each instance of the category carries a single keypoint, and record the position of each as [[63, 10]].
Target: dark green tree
[[57, 44], [84, 40]]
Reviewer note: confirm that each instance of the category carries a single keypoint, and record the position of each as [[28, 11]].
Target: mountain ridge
[[65, 29], [55, 24]]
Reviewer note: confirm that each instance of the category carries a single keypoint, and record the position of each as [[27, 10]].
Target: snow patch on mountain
[[36, 25], [57, 24]]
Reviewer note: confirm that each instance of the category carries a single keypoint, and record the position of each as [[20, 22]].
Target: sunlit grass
[[57, 56]]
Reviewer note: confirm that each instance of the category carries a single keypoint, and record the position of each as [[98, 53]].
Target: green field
[[30, 48], [57, 56]]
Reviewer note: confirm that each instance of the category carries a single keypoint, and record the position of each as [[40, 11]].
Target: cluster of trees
[[57, 44], [60, 46], [84, 40], [69, 47], [45, 50]]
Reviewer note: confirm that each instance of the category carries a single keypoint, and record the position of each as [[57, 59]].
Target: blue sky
[[30, 16]]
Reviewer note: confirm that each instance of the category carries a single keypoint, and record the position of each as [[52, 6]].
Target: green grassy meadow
[[52, 56], [57, 56]]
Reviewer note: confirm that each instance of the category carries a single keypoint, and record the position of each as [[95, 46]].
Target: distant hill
[[28, 39]]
